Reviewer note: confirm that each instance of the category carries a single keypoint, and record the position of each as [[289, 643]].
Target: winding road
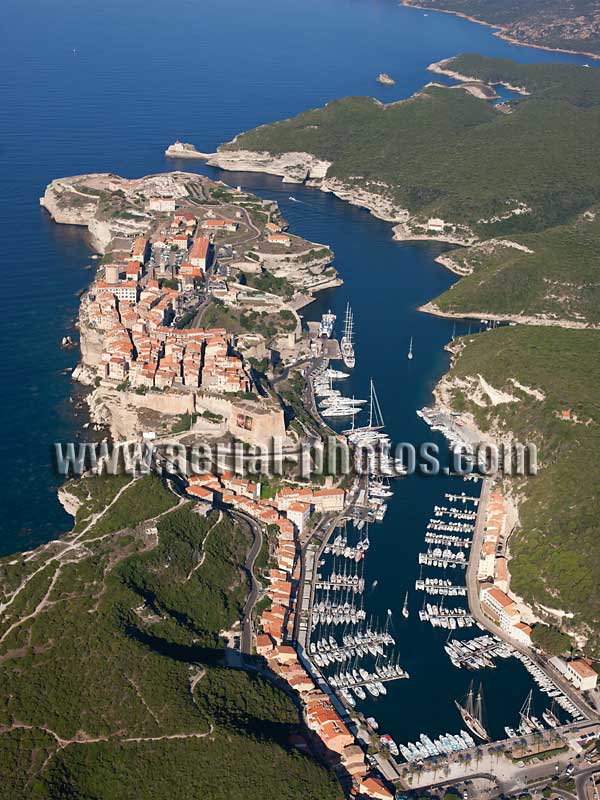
[[247, 627]]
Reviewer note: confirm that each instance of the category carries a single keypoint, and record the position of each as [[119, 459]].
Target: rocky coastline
[[520, 319], [499, 31], [439, 67], [304, 168]]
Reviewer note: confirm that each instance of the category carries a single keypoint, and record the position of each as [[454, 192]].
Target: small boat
[[387, 741], [405, 611], [410, 349], [550, 719], [359, 692]]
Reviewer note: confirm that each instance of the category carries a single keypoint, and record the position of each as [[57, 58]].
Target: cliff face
[[90, 340], [68, 205], [297, 167], [292, 167], [68, 501], [110, 206], [128, 414]]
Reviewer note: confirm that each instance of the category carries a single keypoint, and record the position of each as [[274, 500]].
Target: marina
[[425, 747], [360, 660]]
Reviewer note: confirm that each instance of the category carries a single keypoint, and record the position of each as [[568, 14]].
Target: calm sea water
[[105, 87]]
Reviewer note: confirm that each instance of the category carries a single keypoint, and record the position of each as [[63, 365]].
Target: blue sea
[[105, 88]]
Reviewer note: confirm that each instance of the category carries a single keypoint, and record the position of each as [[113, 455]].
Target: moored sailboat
[[405, 611], [471, 713], [347, 340]]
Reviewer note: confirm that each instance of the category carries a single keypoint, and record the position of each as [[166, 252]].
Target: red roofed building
[[264, 644], [200, 493], [220, 224], [522, 633], [375, 788], [581, 675], [180, 241], [199, 257], [279, 238], [186, 219], [502, 608], [286, 529], [133, 270], [298, 513], [329, 499], [140, 249], [284, 654]]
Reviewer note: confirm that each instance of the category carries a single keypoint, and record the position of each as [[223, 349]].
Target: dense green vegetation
[[545, 23], [559, 279], [95, 495], [267, 282], [446, 153], [236, 320], [568, 83], [550, 640], [144, 499], [556, 551], [123, 662]]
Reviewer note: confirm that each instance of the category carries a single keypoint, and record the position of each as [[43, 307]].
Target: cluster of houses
[[289, 509], [494, 580], [288, 512], [138, 344], [492, 572]]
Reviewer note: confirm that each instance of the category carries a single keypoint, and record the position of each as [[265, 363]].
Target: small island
[[385, 79]]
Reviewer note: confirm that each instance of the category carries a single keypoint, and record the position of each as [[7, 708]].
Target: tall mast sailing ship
[[347, 340], [472, 715]]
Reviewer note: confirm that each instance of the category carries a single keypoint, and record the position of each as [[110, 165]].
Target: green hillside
[[556, 551], [528, 172], [446, 153], [112, 679], [558, 279]]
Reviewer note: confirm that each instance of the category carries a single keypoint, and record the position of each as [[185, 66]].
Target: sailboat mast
[[478, 707], [469, 703]]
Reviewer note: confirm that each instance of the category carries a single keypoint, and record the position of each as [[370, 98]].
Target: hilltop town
[[197, 283]]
